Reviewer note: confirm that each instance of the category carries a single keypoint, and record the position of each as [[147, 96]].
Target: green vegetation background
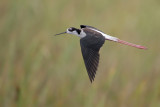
[[38, 69]]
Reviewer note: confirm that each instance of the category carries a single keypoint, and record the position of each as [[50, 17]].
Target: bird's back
[[93, 40]]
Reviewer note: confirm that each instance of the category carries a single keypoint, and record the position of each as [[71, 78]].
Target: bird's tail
[[112, 38], [131, 44]]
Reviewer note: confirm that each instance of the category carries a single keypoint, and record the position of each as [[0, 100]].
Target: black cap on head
[[71, 29]]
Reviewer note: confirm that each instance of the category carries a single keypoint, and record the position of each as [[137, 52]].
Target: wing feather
[[90, 27], [91, 60]]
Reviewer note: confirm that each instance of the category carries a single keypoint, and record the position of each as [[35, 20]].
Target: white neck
[[82, 34]]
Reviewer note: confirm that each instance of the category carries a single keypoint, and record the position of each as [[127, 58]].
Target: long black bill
[[60, 33]]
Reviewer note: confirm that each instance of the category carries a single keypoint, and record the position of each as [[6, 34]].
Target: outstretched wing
[[90, 46], [91, 60]]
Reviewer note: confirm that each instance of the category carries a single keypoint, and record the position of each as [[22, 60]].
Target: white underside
[[108, 37]]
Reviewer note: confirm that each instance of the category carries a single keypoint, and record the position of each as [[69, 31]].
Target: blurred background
[[38, 69]]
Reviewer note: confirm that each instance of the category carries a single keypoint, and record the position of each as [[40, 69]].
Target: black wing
[[90, 47], [91, 60], [86, 26]]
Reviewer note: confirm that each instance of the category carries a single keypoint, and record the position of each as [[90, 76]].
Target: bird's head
[[72, 30]]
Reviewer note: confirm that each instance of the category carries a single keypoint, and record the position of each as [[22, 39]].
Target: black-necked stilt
[[91, 41]]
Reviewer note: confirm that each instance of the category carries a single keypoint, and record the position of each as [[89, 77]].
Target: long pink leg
[[131, 44]]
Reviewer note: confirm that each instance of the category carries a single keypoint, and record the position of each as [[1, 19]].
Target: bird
[[91, 40]]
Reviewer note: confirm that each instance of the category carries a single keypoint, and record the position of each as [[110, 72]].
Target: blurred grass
[[38, 69]]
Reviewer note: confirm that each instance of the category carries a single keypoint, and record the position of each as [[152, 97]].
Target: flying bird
[[91, 40]]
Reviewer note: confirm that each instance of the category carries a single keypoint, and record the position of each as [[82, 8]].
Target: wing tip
[[83, 26], [91, 75], [91, 79]]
